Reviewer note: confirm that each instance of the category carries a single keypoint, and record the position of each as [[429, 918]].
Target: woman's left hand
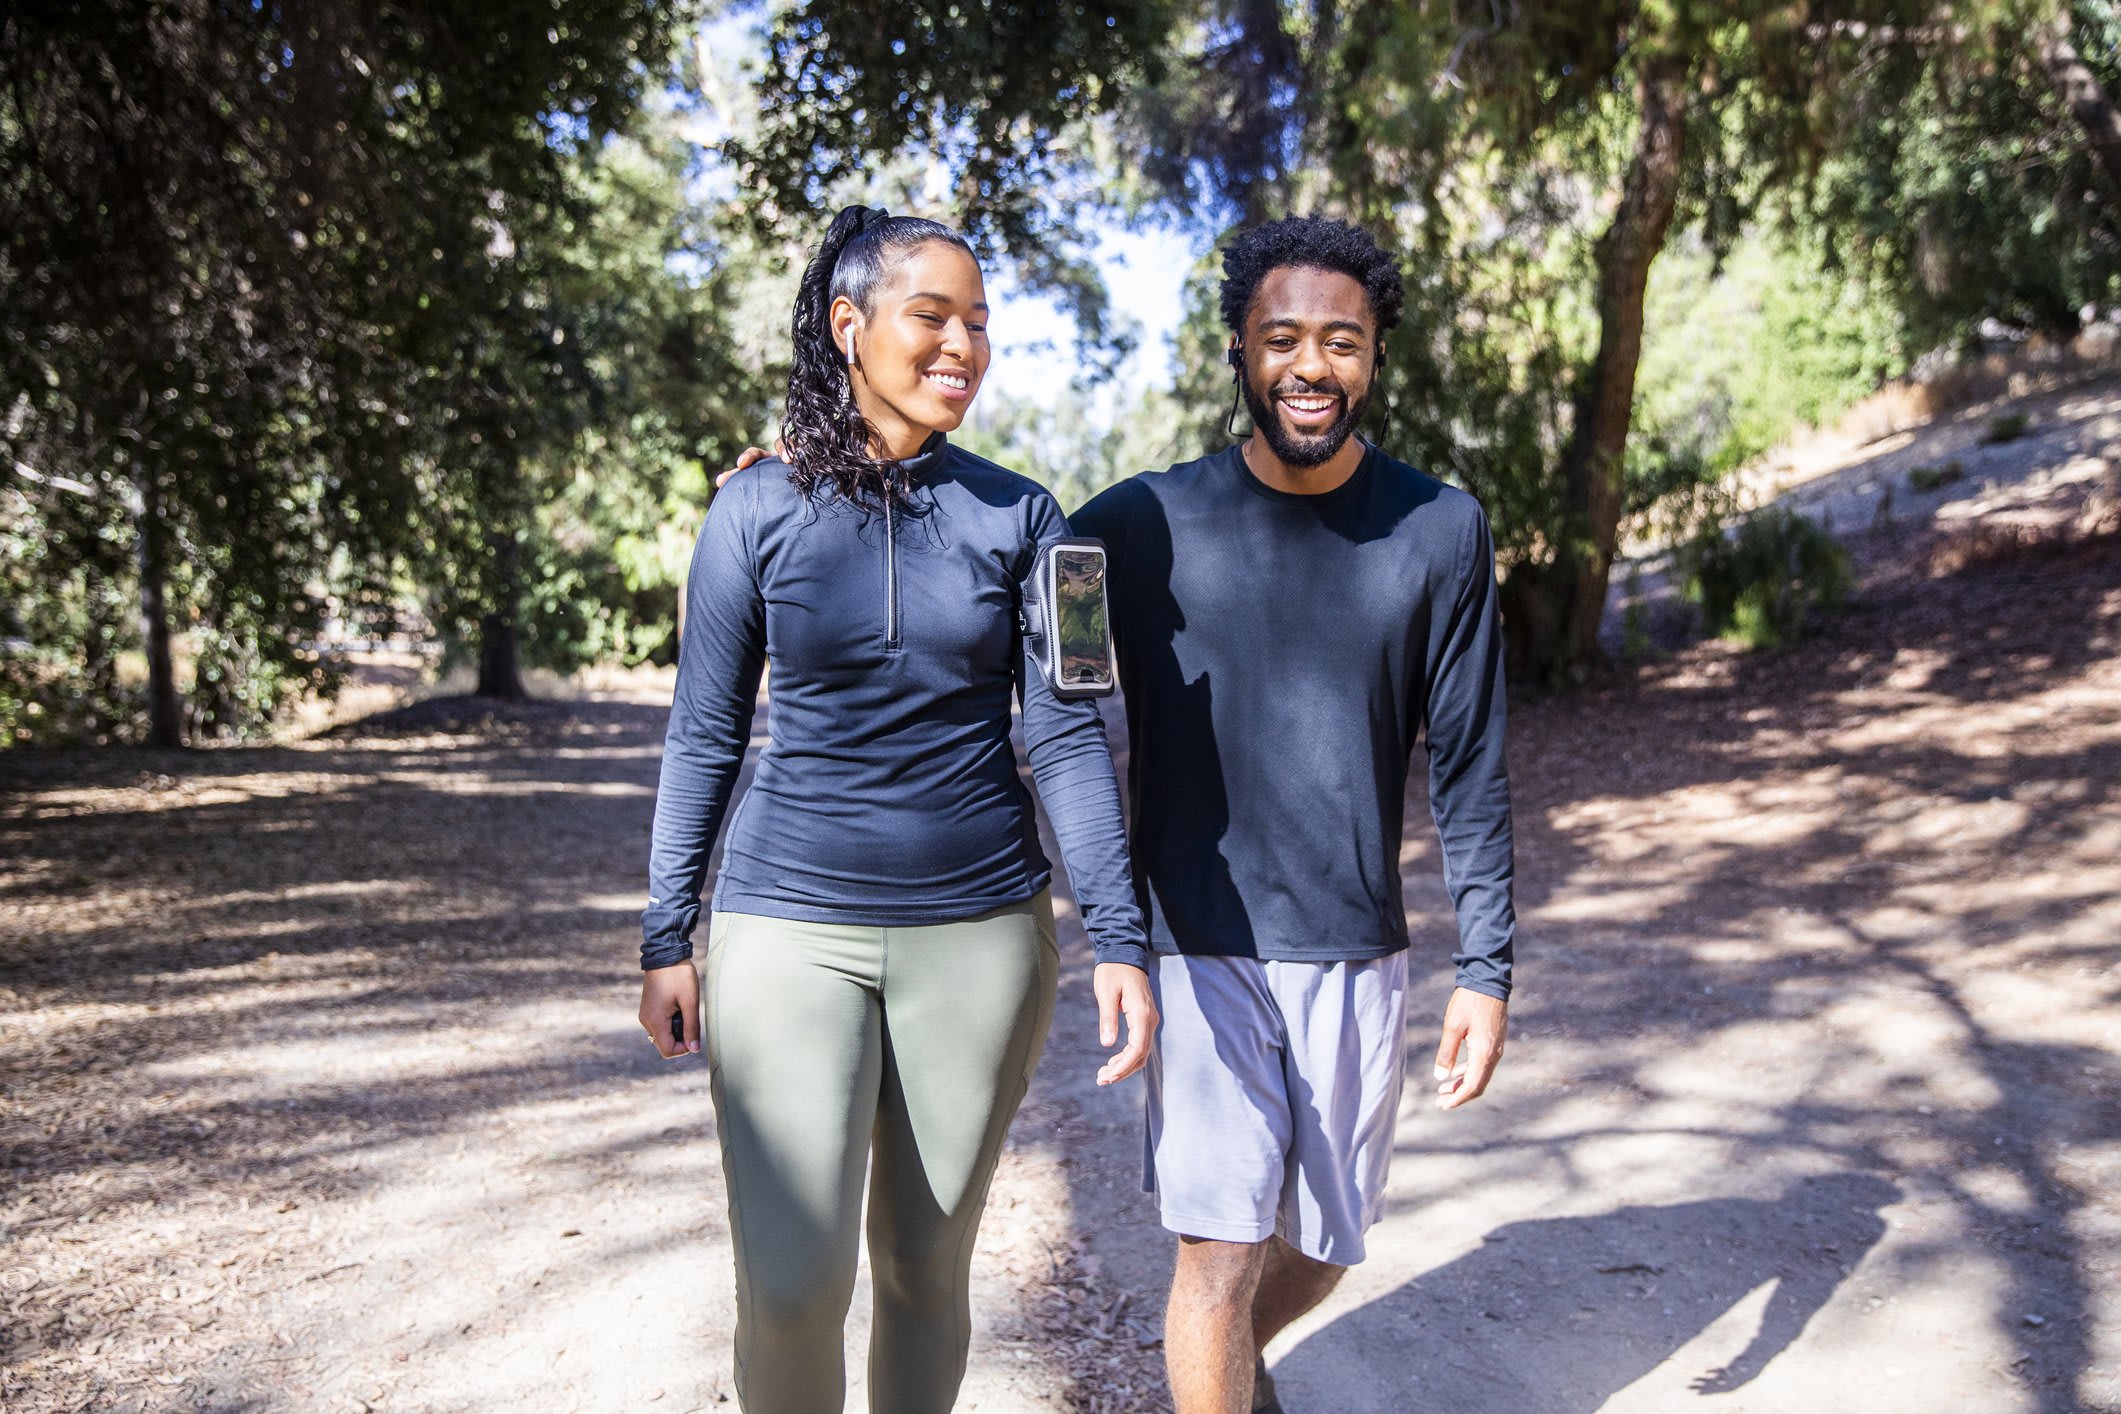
[[1123, 990]]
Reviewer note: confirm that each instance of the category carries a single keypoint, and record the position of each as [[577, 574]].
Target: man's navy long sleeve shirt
[[1281, 654], [889, 794]]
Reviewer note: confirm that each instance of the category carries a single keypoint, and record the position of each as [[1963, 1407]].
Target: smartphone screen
[[1083, 657]]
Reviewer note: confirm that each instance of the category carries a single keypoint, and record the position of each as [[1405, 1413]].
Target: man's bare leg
[[1289, 1285], [1208, 1323]]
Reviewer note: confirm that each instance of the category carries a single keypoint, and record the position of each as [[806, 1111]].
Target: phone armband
[[1067, 620]]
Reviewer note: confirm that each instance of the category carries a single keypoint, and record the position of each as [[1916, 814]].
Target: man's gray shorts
[[1273, 1095]]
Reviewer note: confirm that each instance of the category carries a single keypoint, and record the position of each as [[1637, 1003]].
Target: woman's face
[[921, 350]]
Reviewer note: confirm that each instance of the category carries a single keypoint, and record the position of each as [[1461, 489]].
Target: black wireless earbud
[[1235, 357], [1377, 369]]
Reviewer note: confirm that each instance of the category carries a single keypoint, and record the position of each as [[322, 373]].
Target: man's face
[[1310, 353]]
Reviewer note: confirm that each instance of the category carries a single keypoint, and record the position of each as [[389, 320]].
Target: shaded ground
[[322, 1088]]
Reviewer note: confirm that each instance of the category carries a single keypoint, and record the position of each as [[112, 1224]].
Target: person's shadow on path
[[1559, 1314]]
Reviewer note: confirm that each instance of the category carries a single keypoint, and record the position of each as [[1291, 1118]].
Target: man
[[1289, 615]]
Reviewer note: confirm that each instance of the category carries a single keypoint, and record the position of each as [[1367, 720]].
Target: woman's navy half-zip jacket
[[889, 794]]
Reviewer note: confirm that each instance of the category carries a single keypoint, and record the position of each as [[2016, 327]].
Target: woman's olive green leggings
[[832, 1046]]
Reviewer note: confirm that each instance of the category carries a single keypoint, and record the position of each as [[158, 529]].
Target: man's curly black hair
[[1311, 242]]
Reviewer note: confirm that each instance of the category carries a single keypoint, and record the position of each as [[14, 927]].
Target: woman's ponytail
[[825, 436]]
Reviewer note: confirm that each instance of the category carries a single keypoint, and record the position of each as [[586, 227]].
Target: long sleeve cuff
[[1488, 976], [666, 935], [1132, 954]]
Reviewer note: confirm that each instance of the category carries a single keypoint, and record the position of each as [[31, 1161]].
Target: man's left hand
[[1475, 1025]]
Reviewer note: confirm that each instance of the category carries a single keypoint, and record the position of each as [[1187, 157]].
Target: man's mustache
[[1313, 390]]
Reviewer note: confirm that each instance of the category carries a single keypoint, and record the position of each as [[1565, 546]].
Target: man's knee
[[1220, 1273]]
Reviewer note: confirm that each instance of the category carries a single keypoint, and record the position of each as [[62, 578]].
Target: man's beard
[[1304, 449]]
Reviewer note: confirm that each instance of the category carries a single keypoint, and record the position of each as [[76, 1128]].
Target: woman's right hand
[[1123, 990], [670, 1009]]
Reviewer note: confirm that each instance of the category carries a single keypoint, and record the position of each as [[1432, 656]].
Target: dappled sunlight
[[338, 1092], [177, 795], [1998, 1188], [1854, 907], [470, 783], [628, 903], [1610, 904]]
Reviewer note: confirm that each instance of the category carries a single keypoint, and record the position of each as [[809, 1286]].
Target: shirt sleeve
[[720, 661], [1072, 766], [1102, 518], [1469, 785]]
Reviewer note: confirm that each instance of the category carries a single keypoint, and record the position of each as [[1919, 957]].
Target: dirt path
[[322, 1090]]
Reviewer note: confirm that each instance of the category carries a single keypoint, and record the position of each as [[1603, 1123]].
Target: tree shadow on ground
[[1559, 1314], [1898, 825], [270, 898], [231, 978], [426, 884]]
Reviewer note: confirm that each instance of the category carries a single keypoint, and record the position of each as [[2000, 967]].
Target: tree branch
[[57, 483], [1448, 77], [2080, 91]]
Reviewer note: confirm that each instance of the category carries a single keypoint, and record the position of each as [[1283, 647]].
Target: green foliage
[[1759, 584], [1492, 145], [312, 310], [1634, 626], [1074, 449], [1960, 184], [1931, 478], [64, 621], [585, 422], [269, 281], [2006, 427], [987, 94], [1739, 354]]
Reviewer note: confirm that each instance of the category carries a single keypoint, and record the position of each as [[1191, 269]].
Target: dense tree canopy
[[267, 274], [1533, 162]]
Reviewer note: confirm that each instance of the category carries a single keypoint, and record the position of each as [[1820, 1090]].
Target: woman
[[881, 967]]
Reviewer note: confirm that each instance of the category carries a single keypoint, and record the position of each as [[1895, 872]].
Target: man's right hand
[[1474, 1026], [750, 455], [670, 1009]]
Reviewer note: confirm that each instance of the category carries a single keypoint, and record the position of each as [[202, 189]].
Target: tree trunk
[[500, 675], [2082, 94], [1556, 608], [165, 723], [500, 672]]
